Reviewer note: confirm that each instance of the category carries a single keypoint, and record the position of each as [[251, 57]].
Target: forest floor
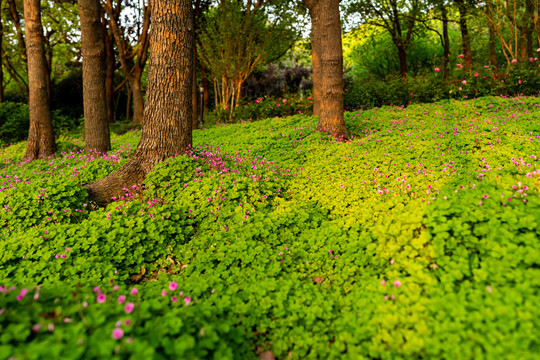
[[418, 238]]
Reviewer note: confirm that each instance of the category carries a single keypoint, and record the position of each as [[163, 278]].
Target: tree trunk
[[402, 54], [166, 130], [529, 19], [96, 119], [465, 37], [326, 26], [446, 43], [492, 54], [41, 135]]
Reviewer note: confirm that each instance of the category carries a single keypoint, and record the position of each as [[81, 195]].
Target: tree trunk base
[[122, 183]]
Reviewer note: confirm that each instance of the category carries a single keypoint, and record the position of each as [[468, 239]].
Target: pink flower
[[129, 308], [121, 299], [174, 299], [284, 100], [173, 285], [514, 61], [101, 298], [187, 300], [397, 283], [520, 82], [22, 294], [461, 55], [134, 291], [531, 60], [383, 282], [163, 292], [464, 82], [277, 104], [117, 333], [486, 196], [437, 69], [475, 74]]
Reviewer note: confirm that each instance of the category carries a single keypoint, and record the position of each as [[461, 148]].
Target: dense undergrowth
[[418, 238]]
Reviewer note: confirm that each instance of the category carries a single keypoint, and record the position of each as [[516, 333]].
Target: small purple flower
[[187, 300], [121, 299], [173, 286], [134, 291]]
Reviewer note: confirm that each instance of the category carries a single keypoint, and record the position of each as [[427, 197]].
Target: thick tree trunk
[[402, 55], [167, 127], [96, 119], [465, 37], [446, 43], [326, 26], [41, 136]]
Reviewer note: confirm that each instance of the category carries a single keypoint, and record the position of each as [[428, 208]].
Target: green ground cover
[[419, 238]]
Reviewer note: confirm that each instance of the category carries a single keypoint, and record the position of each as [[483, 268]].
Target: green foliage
[[14, 122], [415, 239], [262, 108]]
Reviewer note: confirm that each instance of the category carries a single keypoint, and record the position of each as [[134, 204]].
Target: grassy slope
[[415, 239]]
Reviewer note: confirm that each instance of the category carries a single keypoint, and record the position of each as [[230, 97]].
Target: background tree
[[96, 120], [397, 17], [132, 57], [230, 57], [326, 26], [41, 136], [166, 130]]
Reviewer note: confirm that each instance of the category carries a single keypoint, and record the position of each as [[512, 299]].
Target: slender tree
[[96, 120], [326, 26], [166, 129], [397, 17], [41, 136], [463, 8], [132, 58]]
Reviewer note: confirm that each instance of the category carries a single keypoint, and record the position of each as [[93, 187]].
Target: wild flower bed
[[419, 238]]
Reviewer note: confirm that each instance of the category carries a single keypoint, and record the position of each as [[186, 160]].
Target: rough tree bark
[[166, 130], [96, 120], [41, 135], [465, 37], [326, 25]]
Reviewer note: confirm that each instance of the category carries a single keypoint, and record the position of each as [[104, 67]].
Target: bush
[[262, 108], [14, 122]]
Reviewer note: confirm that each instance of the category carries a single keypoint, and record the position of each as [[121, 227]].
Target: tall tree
[[96, 120], [132, 58], [41, 135], [166, 130], [463, 8], [397, 17], [326, 25]]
